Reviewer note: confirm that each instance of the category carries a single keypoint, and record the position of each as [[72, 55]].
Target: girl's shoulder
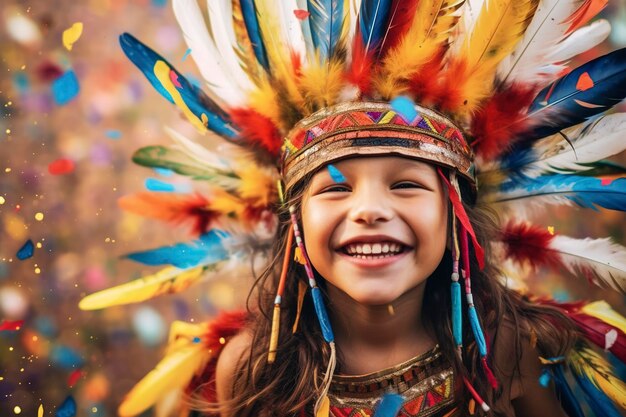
[[516, 360], [236, 349]]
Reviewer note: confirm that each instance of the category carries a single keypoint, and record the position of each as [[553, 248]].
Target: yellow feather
[[277, 54], [321, 83], [166, 281], [226, 203], [265, 101], [184, 358], [587, 362], [257, 184], [603, 311], [498, 28], [430, 30]]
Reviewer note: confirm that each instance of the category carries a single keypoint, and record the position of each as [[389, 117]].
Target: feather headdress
[[491, 97]]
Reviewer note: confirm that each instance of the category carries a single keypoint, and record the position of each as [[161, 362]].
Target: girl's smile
[[381, 231]]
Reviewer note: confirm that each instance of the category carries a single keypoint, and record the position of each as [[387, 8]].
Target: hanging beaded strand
[[322, 403]]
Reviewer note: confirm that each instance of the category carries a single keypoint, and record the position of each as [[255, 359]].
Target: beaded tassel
[[321, 405], [271, 355], [455, 288]]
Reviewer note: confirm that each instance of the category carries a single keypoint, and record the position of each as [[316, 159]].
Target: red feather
[[527, 243], [172, 208], [400, 20], [501, 120], [360, 73], [593, 328], [225, 326], [258, 130], [424, 84]]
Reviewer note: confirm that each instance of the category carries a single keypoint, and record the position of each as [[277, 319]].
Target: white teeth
[[384, 248], [376, 248]]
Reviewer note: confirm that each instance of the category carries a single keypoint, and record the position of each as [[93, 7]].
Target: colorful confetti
[[301, 14], [405, 107], [71, 35], [11, 325], [153, 184], [61, 166], [67, 408], [113, 134], [65, 88], [26, 251], [187, 52], [74, 377], [335, 174]]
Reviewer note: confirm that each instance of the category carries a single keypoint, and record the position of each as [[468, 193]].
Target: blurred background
[[71, 119]]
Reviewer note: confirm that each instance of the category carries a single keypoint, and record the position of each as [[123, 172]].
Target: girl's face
[[379, 233]]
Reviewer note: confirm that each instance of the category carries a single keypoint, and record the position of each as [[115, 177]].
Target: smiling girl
[[368, 143]]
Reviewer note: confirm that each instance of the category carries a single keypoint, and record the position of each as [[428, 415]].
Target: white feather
[[220, 12], [470, 12], [353, 15], [197, 152], [580, 41], [600, 261], [215, 72], [547, 28], [590, 142], [305, 25]]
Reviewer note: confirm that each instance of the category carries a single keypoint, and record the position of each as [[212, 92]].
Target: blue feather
[[588, 90], [326, 21], [197, 101], [208, 249], [389, 406], [598, 401], [568, 399], [251, 20], [587, 192], [373, 21]]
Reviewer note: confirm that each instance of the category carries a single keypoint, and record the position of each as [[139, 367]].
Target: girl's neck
[[372, 338]]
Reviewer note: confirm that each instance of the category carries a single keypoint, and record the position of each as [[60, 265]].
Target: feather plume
[[569, 400], [211, 65], [587, 10], [166, 281], [596, 331], [598, 381], [175, 209], [201, 110], [498, 28], [243, 46], [586, 192], [600, 261], [322, 84], [547, 29], [275, 31], [603, 311], [373, 20], [305, 25], [208, 249], [184, 359], [500, 120], [179, 161], [223, 35], [252, 32], [259, 131], [327, 21], [401, 13], [424, 43], [580, 41], [571, 150], [359, 72], [588, 90], [525, 243]]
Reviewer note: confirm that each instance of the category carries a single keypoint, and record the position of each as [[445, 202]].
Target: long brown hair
[[289, 386]]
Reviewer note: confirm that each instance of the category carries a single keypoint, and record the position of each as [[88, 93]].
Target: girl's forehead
[[391, 162]]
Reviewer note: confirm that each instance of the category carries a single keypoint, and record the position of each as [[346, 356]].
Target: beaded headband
[[373, 128]]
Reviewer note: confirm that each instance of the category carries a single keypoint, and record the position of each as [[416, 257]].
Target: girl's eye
[[404, 185], [337, 188]]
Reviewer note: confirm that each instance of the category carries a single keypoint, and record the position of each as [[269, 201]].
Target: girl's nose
[[369, 206]]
